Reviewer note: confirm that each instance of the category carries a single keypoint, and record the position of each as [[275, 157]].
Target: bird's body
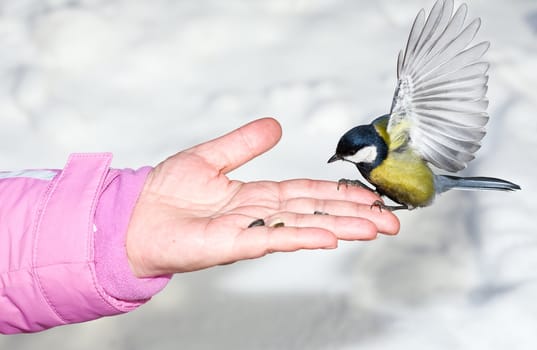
[[438, 115], [401, 173], [411, 184]]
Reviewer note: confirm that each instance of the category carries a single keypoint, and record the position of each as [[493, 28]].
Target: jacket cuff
[[64, 259], [116, 204]]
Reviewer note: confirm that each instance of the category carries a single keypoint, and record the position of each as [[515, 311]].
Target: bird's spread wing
[[439, 107]]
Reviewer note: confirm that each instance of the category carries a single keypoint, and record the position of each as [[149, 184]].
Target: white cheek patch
[[365, 155]]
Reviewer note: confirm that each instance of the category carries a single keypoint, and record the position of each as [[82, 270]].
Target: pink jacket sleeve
[[62, 245]]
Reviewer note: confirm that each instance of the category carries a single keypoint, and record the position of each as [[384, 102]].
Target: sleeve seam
[[39, 216]]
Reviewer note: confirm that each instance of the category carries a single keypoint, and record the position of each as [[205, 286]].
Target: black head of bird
[[363, 147]]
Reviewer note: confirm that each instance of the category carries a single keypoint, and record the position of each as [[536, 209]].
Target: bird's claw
[[379, 204], [355, 183]]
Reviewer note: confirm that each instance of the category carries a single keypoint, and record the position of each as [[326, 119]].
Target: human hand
[[190, 215]]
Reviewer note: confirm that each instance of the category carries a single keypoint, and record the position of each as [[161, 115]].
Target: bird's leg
[[381, 205], [356, 183]]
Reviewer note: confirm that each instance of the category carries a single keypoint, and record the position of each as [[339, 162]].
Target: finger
[[259, 241], [241, 145], [301, 188], [384, 220], [344, 227]]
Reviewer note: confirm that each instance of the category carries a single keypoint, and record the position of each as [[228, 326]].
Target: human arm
[[49, 242]]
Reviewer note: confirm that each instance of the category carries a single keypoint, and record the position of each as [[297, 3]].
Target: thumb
[[241, 145]]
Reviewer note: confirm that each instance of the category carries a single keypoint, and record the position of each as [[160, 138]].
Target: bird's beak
[[334, 158]]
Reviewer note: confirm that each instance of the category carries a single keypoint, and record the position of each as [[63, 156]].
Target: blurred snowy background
[[144, 79]]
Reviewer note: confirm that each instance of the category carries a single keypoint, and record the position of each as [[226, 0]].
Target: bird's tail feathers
[[447, 182]]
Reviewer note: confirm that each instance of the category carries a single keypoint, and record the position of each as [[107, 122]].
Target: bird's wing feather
[[439, 106]]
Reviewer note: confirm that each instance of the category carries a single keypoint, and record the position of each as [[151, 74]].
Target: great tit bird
[[438, 115]]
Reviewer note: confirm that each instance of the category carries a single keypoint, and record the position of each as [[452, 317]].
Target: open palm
[[191, 216]]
